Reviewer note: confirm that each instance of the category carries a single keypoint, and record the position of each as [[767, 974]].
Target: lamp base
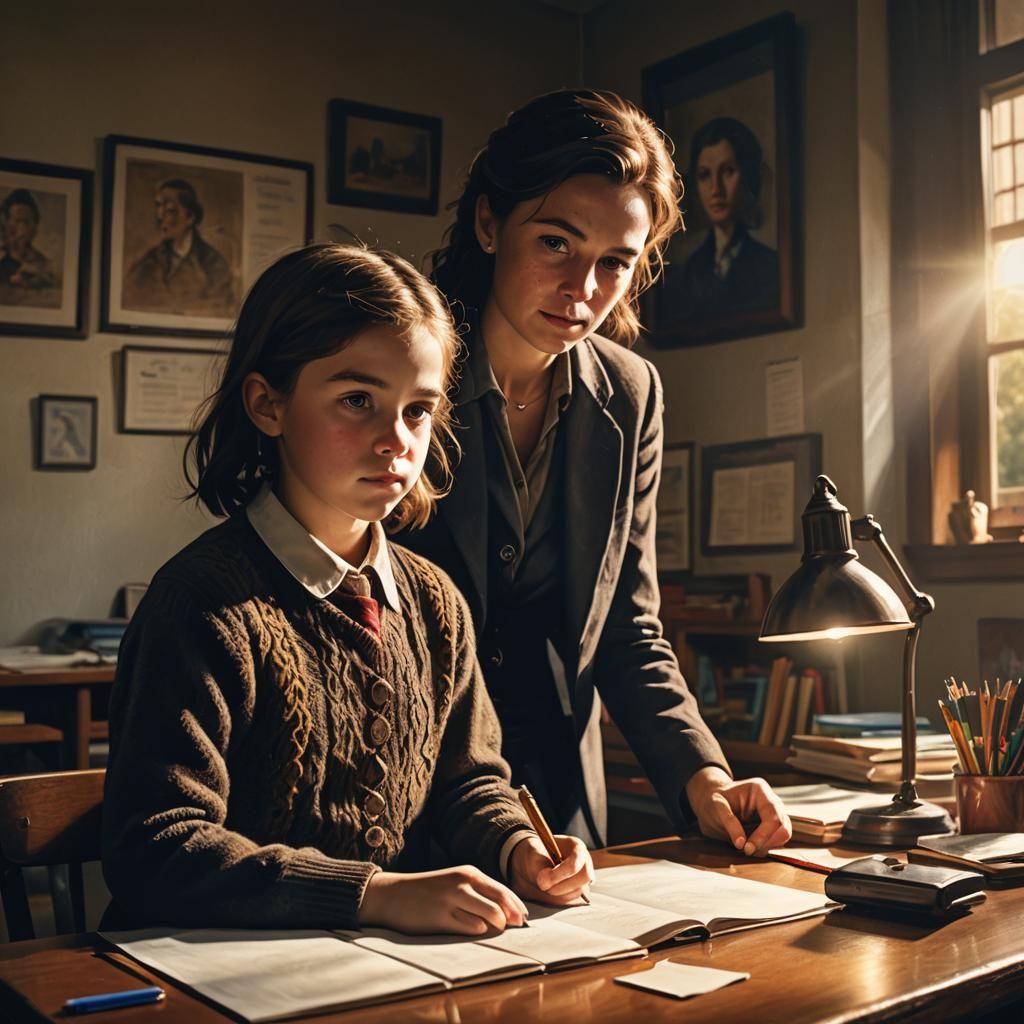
[[896, 823]]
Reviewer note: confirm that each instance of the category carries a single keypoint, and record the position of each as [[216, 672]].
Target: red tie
[[363, 610]]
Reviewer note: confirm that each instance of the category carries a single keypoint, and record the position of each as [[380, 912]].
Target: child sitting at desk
[[298, 712]]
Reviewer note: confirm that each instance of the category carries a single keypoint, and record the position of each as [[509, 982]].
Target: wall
[[248, 76]]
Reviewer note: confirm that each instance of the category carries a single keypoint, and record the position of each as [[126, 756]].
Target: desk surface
[[841, 968], [80, 676]]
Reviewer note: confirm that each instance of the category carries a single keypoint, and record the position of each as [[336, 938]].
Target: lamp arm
[[920, 604]]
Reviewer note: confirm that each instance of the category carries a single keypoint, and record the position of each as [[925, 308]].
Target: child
[[289, 733]]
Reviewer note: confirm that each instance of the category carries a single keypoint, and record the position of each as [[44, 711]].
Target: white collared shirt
[[320, 570]]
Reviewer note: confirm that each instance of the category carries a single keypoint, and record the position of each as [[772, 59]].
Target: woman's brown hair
[[308, 305], [552, 138]]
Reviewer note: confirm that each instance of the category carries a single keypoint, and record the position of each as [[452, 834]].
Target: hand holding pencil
[[547, 868]]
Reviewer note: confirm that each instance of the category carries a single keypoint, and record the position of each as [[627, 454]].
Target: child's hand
[[461, 900], [534, 878]]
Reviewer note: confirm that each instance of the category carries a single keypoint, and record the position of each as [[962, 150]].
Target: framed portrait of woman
[[732, 110]]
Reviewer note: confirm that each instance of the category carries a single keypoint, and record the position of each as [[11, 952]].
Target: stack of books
[[865, 723], [999, 856], [818, 811], [878, 760]]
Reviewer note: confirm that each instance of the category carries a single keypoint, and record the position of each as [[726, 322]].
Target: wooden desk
[[72, 689], [842, 968]]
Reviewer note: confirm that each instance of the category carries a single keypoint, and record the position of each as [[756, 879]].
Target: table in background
[[70, 692], [845, 967]]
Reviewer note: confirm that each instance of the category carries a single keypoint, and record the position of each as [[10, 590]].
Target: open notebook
[[273, 975]]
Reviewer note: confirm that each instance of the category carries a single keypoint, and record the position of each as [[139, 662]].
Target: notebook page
[[272, 975], [709, 897], [456, 958], [647, 926], [554, 944]]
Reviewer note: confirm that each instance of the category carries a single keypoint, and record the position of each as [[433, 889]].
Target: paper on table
[[681, 981], [816, 858], [819, 802], [269, 975]]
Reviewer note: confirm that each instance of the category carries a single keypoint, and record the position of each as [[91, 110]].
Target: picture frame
[[754, 492], [383, 159], [674, 531], [162, 389], [187, 229], [44, 252], [66, 432], [732, 109]]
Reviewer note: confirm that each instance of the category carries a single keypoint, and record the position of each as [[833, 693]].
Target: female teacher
[[549, 526]]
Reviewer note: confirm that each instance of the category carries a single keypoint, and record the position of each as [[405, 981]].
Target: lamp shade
[[831, 594]]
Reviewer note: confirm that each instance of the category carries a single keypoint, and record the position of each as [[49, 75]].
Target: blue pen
[[114, 1000]]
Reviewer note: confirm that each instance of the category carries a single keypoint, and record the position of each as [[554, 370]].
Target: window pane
[[1018, 160], [1007, 399], [1002, 168], [1002, 130], [1009, 22], [1003, 213], [1006, 309]]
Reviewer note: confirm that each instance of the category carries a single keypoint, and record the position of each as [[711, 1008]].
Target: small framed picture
[[45, 222], [65, 432], [162, 389], [731, 106], [187, 229], [753, 493], [673, 536], [383, 159]]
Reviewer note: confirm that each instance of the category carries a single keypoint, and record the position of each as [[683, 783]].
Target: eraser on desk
[[681, 981]]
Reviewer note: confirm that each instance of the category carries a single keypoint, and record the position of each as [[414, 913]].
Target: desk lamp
[[832, 596]]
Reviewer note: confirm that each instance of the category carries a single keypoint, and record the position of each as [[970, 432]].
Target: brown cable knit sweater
[[268, 754]]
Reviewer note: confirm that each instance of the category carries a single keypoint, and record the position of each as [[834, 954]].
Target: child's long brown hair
[[308, 305]]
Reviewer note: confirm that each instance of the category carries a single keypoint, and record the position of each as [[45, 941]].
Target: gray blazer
[[613, 442]]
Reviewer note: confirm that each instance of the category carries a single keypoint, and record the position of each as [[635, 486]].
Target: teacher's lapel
[[593, 477], [464, 508]]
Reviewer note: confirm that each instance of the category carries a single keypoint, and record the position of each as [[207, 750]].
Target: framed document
[[752, 493], [186, 231], [675, 499], [162, 389], [66, 432]]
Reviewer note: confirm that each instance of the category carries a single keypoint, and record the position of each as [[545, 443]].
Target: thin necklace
[[520, 406]]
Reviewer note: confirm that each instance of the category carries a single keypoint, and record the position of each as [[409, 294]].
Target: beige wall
[[255, 77]]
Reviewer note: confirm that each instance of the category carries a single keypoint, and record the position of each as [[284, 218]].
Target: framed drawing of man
[[187, 229], [731, 109], [45, 218]]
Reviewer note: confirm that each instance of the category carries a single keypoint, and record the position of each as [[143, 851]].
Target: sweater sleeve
[[472, 810], [184, 694]]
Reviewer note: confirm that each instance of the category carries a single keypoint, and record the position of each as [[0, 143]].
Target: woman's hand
[[533, 876], [722, 806], [461, 900]]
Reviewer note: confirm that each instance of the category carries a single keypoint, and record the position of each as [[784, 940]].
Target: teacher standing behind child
[[549, 528]]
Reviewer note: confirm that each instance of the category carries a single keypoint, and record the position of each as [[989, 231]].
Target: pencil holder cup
[[990, 803]]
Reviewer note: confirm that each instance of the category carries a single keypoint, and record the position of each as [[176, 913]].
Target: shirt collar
[[478, 377], [308, 559]]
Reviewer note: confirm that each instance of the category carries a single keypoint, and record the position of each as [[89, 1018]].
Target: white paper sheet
[[784, 397], [681, 981]]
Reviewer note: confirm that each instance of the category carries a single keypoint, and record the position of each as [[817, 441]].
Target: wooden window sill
[[961, 563]]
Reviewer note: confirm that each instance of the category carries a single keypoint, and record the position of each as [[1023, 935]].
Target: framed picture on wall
[[383, 159], [65, 432], [187, 229], [731, 107], [673, 536], [45, 222], [754, 492]]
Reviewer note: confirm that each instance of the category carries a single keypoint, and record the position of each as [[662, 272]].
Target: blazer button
[[507, 553], [380, 693], [379, 731], [374, 836], [374, 804]]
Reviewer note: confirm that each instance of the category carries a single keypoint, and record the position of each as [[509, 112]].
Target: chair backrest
[[51, 820]]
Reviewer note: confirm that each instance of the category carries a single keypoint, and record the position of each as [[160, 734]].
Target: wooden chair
[[50, 820]]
